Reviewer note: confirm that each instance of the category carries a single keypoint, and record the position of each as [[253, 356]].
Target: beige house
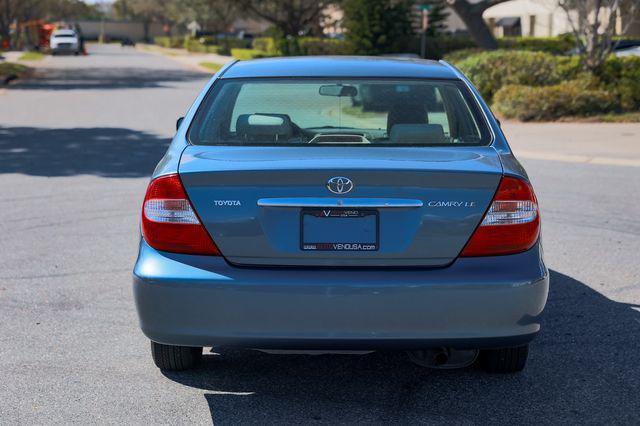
[[535, 18], [539, 18]]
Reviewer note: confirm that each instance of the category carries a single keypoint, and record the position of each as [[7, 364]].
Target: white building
[[539, 18]]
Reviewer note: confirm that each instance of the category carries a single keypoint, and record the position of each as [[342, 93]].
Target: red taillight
[[512, 223], [169, 222]]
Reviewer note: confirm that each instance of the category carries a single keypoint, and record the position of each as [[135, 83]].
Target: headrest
[[270, 126], [417, 134], [406, 113]]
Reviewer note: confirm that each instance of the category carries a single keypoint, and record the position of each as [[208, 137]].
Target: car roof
[[340, 66]]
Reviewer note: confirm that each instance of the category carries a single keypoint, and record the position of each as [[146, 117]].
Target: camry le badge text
[[451, 203], [227, 203]]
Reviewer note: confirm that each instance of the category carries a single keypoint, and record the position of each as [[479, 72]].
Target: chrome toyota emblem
[[339, 185]]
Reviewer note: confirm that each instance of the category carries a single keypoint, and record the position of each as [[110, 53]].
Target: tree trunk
[[478, 29]]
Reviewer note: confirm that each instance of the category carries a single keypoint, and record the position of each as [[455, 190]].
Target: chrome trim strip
[[380, 203]]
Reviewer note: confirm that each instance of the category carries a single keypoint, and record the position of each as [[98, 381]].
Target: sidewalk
[[12, 56], [190, 59], [613, 144]]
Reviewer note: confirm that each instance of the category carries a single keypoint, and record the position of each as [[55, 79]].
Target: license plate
[[339, 230]]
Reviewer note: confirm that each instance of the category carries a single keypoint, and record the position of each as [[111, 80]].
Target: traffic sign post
[[424, 9]]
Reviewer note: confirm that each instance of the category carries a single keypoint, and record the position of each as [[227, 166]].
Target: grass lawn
[[10, 69], [211, 66], [31, 56]]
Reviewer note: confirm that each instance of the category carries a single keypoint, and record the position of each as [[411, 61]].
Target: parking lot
[[77, 145]]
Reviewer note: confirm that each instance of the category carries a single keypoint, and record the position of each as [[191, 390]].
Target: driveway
[[77, 145]]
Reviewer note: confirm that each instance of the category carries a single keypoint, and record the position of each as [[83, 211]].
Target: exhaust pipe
[[443, 358], [440, 357]]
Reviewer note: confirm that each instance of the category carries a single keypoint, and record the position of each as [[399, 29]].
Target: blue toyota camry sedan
[[341, 204]]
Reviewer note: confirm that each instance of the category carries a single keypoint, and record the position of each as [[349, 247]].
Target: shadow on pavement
[[106, 78], [584, 367], [109, 152]]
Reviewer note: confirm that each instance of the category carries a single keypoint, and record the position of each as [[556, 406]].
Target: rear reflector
[[169, 222], [511, 225]]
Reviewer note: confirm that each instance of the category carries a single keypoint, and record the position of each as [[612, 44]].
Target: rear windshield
[[362, 112], [64, 35]]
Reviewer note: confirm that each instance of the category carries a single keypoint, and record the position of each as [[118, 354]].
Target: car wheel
[[175, 358], [504, 360]]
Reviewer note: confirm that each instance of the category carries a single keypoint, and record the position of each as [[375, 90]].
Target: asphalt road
[[77, 145]]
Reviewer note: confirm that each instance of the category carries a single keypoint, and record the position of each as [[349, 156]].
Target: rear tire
[[175, 358], [504, 360]]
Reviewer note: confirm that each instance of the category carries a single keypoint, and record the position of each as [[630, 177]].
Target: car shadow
[[104, 78], [108, 152], [583, 367]]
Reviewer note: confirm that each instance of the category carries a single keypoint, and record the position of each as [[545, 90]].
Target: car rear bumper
[[65, 48], [473, 303]]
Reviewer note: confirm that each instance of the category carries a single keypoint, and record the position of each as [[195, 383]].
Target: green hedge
[[207, 44], [194, 45], [457, 48], [621, 76], [572, 98], [246, 54], [266, 44], [557, 45], [301, 46], [458, 56], [323, 46], [541, 86], [226, 44], [439, 47], [175, 42], [489, 71]]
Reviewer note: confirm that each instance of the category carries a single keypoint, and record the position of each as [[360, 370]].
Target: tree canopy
[[378, 26]]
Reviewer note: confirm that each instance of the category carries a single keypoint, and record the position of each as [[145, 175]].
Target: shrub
[[246, 54], [265, 44], [288, 46], [621, 76], [162, 41], [438, 47], [301, 46], [556, 45], [323, 46], [489, 71], [226, 44], [194, 45], [169, 41], [577, 97], [459, 55], [568, 67], [9, 70]]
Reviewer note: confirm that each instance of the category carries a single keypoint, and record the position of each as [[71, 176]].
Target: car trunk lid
[[274, 206]]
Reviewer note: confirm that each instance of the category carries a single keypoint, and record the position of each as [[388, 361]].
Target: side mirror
[[499, 123], [178, 123]]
